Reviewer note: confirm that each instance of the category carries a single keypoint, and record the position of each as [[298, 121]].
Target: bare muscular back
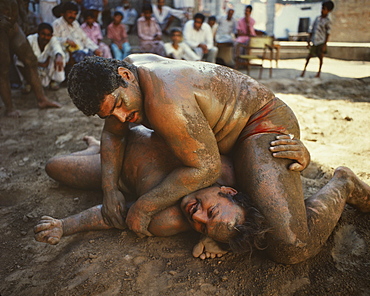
[[225, 97]]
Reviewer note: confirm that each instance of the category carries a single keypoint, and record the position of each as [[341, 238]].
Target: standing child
[[176, 49], [319, 36], [93, 31], [117, 34]]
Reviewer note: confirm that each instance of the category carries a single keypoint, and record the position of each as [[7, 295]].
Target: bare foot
[[207, 248], [359, 196], [91, 141], [48, 230], [48, 104], [13, 113], [317, 75]]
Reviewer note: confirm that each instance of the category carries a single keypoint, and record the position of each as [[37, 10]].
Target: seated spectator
[[226, 28], [245, 26], [129, 15], [93, 31], [116, 32], [50, 57], [176, 49], [212, 22], [165, 15], [149, 32], [74, 40], [95, 6], [198, 35]]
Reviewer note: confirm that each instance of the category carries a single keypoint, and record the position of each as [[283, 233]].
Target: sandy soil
[[334, 117]]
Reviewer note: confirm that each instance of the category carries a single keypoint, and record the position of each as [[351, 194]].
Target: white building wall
[[287, 17]]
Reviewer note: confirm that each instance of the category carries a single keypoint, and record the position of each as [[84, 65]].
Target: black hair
[[147, 7], [118, 13], [212, 18], [88, 13], [44, 26], [199, 16], [175, 30], [250, 7], [251, 234], [69, 6], [93, 78], [329, 5]]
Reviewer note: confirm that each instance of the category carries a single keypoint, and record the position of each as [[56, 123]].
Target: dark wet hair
[[93, 78], [329, 5], [44, 26], [118, 13], [251, 234], [199, 16], [69, 6]]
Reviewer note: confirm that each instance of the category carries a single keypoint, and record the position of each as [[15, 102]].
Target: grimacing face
[[212, 214]]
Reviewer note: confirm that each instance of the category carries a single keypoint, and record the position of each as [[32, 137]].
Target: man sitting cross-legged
[[219, 212]]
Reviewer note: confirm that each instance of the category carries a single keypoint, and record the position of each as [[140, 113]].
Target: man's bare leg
[[80, 169], [50, 230], [5, 89], [299, 229]]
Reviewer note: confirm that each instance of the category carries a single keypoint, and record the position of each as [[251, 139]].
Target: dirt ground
[[334, 116]]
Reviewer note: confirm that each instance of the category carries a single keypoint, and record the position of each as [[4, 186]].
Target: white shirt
[[226, 30], [64, 31], [50, 50], [167, 11], [183, 3], [184, 52], [193, 37]]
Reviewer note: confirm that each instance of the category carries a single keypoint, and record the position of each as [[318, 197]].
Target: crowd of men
[[66, 33]]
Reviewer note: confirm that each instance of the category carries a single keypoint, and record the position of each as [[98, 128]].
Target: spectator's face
[[89, 20], [45, 36], [324, 11], [230, 14], [248, 12], [117, 19], [198, 24], [211, 23], [70, 16], [176, 37], [160, 3], [147, 14]]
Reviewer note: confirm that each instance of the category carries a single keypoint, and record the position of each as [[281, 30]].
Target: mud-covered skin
[[299, 227], [13, 40], [199, 109]]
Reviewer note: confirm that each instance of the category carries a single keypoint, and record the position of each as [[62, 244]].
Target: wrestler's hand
[[287, 147], [114, 209], [138, 220], [207, 248]]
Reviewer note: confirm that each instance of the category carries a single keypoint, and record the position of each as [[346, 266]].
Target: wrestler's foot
[[317, 75], [45, 104], [13, 113], [91, 141], [207, 248], [48, 230], [359, 196]]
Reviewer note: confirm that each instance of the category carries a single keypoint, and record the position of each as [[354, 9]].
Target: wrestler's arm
[[113, 144]]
